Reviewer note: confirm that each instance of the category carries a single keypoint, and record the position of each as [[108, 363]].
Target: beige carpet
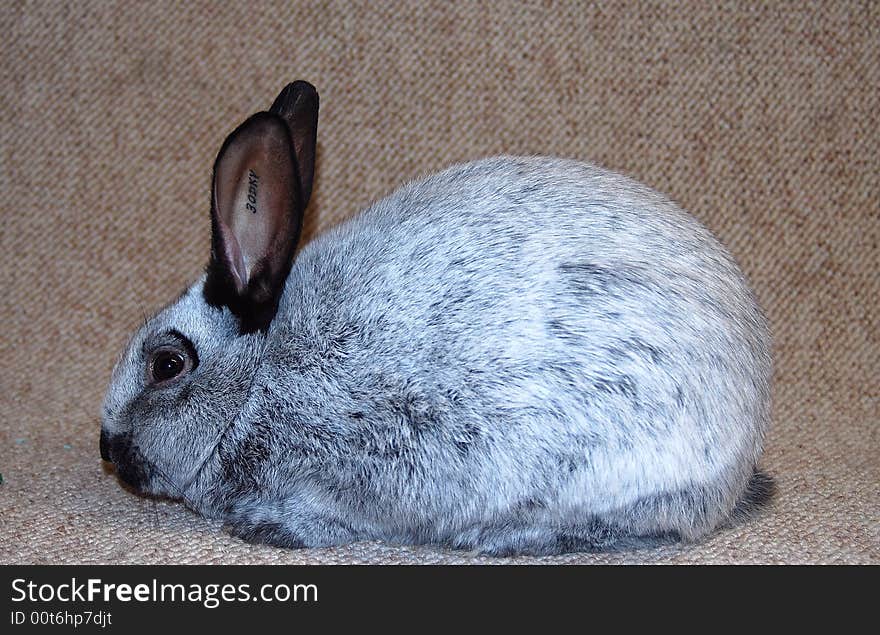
[[762, 120]]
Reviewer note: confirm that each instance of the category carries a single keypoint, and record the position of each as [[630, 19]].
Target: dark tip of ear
[[293, 97], [298, 106]]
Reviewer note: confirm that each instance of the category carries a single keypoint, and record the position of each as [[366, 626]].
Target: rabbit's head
[[186, 373]]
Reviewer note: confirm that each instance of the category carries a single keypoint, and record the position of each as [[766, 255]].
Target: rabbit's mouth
[[131, 467]]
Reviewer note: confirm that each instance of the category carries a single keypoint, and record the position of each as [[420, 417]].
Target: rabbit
[[514, 356]]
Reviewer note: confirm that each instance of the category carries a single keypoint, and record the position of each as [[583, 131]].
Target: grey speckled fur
[[515, 355]]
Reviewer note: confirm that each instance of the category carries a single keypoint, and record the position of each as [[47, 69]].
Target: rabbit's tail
[[758, 493]]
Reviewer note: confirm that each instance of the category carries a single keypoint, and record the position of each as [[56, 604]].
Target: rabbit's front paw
[[291, 523], [266, 533]]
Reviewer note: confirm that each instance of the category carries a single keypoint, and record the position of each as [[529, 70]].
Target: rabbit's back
[[521, 336]]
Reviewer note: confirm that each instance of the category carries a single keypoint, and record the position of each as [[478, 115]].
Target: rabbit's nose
[[105, 446]]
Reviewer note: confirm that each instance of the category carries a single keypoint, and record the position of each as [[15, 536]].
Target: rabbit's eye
[[167, 365]]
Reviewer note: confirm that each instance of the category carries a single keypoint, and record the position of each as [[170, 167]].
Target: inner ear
[[256, 220]]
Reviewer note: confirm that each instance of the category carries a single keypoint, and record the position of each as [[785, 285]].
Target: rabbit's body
[[516, 355]]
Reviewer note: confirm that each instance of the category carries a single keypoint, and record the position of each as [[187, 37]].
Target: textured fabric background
[[760, 118]]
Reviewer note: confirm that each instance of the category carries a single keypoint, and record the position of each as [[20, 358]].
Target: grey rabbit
[[518, 355]]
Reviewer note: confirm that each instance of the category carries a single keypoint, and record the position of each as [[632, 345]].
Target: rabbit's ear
[[298, 106], [256, 217]]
